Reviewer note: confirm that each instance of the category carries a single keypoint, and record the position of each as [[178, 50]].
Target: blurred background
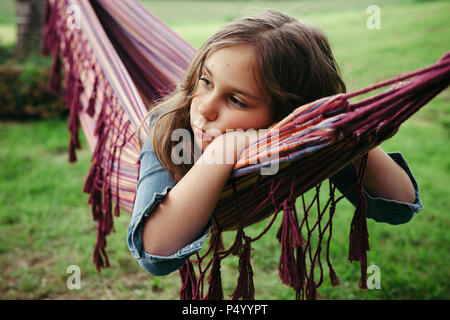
[[46, 225]]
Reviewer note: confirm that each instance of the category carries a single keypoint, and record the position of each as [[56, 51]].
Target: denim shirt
[[153, 185], [155, 182]]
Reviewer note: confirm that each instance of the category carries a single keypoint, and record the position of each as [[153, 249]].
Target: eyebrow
[[245, 93]]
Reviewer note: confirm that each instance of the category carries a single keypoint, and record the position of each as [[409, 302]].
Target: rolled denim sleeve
[[380, 209], [153, 185]]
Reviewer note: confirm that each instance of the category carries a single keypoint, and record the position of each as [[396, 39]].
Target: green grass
[[46, 225]]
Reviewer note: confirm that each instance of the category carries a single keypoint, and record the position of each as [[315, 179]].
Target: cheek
[[195, 102], [262, 119], [239, 121], [267, 117]]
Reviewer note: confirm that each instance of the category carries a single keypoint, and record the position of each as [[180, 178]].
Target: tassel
[[363, 279], [94, 180], [74, 122], [333, 277], [99, 256], [188, 281], [332, 274], [89, 182], [55, 75], [311, 289], [95, 198], [117, 206], [69, 84], [301, 268], [290, 237], [95, 186], [107, 212], [91, 107], [236, 249], [245, 288], [359, 235], [215, 291], [100, 125]]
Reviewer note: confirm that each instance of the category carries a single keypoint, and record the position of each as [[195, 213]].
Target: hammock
[[118, 58]]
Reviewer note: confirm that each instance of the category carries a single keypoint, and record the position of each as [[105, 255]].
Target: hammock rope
[[122, 58]]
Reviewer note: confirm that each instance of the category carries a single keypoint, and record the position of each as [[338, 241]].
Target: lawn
[[46, 225]]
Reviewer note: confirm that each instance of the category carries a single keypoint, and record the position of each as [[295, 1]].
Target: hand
[[227, 147], [243, 139]]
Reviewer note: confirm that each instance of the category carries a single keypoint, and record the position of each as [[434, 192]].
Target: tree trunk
[[30, 17]]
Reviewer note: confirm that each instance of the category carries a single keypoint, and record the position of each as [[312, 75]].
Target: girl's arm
[[186, 210], [385, 178]]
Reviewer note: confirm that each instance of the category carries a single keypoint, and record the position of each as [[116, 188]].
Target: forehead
[[240, 54]]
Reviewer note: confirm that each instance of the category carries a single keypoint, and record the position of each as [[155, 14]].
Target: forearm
[[185, 211], [385, 178]]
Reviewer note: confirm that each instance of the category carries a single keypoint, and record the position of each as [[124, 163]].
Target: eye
[[237, 102], [206, 81]]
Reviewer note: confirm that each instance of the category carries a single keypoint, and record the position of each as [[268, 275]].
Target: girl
[[251, 73]]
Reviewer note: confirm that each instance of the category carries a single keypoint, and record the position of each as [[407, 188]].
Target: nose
[[208, 108]]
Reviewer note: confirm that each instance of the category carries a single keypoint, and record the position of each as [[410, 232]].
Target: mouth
[[202, 134]]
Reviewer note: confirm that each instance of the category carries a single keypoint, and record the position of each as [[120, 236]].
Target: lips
[[201, 133]]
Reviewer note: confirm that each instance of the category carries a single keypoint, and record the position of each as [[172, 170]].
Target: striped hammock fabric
[[118, 58]]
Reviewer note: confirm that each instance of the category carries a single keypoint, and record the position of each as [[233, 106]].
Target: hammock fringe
[[98, 183], [188, 282], [359, 235], [215, 291], [245, 288]]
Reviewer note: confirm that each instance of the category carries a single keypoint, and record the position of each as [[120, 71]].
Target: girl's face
[[227, 96]]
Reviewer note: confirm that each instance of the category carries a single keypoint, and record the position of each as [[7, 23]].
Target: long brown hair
[[293, 63]]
